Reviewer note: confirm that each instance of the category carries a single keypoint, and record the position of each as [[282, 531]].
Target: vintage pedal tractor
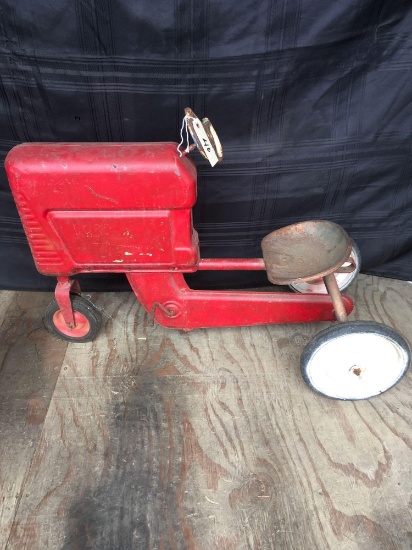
[[127, 208]]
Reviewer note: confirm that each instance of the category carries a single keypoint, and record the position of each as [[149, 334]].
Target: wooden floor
[[154, 439]]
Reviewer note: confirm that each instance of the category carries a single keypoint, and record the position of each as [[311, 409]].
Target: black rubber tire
[[352, 327], [83, 306], [353, 277]]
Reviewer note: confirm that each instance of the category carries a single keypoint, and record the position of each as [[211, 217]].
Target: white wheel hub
[[356, 366]]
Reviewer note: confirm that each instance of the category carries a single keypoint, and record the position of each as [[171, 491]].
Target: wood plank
[[211, 440], [30, 362]]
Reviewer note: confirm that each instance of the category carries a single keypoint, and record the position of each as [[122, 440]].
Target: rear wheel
[[355, 360], [343, 279], [87, 318]]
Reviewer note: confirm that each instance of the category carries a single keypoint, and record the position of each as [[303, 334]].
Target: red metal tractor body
[[106, 207], [127, 207]]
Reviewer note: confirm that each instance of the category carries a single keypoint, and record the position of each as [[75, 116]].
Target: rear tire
[[355, 360], [88, 321], [343, 279]]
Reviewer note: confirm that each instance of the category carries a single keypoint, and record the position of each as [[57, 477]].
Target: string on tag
[[184, 124]]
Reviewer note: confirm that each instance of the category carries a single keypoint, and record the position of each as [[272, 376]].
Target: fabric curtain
[[312, 101]]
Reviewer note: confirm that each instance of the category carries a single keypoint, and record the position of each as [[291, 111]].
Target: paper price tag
[[204, 136], [203, 143]]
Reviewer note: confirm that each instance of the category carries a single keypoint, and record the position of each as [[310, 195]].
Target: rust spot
[[357, 371], [305, 251], [101, 196]]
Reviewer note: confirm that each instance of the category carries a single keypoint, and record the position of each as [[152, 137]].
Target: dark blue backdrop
[[312, 100]]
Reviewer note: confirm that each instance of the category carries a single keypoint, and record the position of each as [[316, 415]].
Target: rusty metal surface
[[305, 251], [347, 268], [334, 292]]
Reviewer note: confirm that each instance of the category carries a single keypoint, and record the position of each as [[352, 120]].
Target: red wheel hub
[[82, 325]]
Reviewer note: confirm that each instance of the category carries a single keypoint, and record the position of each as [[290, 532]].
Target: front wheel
[[355, 360], [87, 317]]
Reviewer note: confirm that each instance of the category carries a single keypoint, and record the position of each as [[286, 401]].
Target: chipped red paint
[[127, 207]]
